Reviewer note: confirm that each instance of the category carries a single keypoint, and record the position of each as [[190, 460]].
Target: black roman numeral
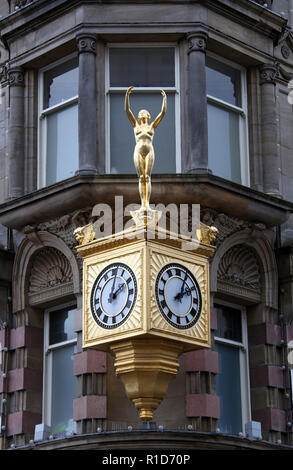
[[193, 312], [99, 311], [169, 314]]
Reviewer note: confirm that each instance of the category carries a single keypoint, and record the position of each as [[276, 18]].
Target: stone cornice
[[247, 12], [87, 190]]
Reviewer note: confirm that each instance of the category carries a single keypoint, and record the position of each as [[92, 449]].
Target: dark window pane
[[228, 323], [223, 82], [142, 67], [61, 325], [63, 389], [228, 389], [61, 83]]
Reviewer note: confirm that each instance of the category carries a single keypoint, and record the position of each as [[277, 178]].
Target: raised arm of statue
[[127, 107], [163, 110]]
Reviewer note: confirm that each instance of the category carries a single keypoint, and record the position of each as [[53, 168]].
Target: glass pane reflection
[[63, 388], [61, 83], [61, 325], [223, 82], [62, 144], [223, 143]]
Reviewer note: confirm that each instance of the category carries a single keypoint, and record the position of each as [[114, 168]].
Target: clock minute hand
[[180, 294], [118, 290], [111, 295]]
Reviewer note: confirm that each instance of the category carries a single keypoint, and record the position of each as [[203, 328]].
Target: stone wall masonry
[[90, 404], [22, 422]]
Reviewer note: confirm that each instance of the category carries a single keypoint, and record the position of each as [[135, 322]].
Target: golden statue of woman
[[144, 155]]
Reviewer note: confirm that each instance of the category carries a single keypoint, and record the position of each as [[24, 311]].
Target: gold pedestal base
[[146, 366]]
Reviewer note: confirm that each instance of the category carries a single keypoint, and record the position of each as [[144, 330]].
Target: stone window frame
[[43, 113], [47, 361], [243, 359], [176, 89], [242, 112]]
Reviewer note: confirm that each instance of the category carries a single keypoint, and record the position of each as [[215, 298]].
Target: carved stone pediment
[[50, 276], [239, 274]]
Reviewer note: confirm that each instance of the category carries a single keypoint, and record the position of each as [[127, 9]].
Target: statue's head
[[143, 115]]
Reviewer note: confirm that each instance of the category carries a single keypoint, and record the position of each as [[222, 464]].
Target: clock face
[[113, 295], [178, 296]]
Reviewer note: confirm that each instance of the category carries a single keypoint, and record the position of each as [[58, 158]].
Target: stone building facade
[[227, 145]]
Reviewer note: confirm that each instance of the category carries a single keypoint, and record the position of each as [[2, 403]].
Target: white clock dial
[[178, 296], [113, 295]]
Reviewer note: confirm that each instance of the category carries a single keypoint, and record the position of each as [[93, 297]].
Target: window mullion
[[59, 106], [224, 104]]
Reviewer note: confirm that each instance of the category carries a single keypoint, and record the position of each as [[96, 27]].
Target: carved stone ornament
[[62, 227], [239, 274], [197, 41], [225, 225], [285, 50], [50, 271], [15, 77], [268, 74], [86, 44]]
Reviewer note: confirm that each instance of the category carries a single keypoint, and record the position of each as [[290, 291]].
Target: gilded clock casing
[[146, 258]]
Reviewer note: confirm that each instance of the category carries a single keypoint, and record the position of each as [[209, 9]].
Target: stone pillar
[[197, 159], [87, 104], [270, 154], [16, 133]]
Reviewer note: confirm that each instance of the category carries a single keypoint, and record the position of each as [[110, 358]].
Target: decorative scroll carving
[[62, 227], [197, 41], [15, 77], [86, 44], [268, 74], [239, 266], [225, 225]]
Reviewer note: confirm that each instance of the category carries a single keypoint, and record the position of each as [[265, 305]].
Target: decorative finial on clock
[[144, 157]]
